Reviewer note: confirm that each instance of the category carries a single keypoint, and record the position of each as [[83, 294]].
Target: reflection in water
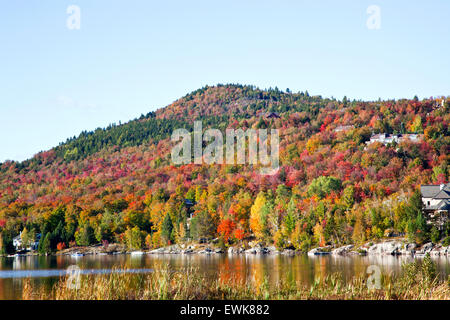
[[253, 269], [46, 273]]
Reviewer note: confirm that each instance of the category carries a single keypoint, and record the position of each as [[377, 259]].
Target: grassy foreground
[[418, 280]]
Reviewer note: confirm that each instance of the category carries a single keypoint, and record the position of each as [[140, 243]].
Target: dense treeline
[[118, 184]]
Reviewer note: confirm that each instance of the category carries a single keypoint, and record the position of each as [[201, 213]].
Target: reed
[[418, 281]]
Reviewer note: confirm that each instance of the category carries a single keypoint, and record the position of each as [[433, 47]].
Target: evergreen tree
[[134, 238], [45, 244], [6, 243], [85, 236], [58, 235], [202, 225], [421, 229], [291, 217], [435, 235], [167, 228], [416, 223]]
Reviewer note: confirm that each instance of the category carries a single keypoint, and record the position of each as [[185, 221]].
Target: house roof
[[443, 194], [434, 190], [379, 136], [343, 128], [444, 205], [272, 115]]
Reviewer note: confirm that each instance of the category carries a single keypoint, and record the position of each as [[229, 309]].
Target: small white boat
[[137, 253], [76, 255]]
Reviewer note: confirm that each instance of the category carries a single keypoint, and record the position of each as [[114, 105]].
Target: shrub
[[322, 186], [435, 235]]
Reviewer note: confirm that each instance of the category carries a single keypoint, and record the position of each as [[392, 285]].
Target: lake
[[46, 270]]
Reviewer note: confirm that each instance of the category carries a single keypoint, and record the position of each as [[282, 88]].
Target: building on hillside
[[414, 137], [189, 204], [436, 201], [18, 245], [386, 138], [272, 115], [383, 138], [343, 128], [17, 242]]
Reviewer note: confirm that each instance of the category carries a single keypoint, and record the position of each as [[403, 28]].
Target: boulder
[[426, 248], [272, 250], [342, 250], [235, 250], [262, 250], [386, 248], [206, 251], [157, 251], [257, 250], [408, 249], [439, 250], [359, 252], [288, 252], [319, 251]]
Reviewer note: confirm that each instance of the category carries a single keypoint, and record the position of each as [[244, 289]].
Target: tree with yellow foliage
[[258, 219], [416, 125]]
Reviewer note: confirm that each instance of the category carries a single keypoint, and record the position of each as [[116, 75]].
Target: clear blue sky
[[132, 57]]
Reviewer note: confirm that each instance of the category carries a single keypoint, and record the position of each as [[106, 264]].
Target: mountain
[[118, 184]]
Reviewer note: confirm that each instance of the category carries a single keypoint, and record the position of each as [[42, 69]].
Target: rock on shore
[[386, 247], [392, 247], [440, 251], [342, 250], [319, 251]]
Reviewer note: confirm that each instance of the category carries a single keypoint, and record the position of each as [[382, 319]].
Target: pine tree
[[85, 236], [291, 217], [167, 228], [45, 244], [421, 229], [435, 235], [6, 243]]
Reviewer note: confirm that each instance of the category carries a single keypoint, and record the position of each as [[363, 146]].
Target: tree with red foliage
[[226, 228]]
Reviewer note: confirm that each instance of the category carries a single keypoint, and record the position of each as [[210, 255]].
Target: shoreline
[[398, 247]]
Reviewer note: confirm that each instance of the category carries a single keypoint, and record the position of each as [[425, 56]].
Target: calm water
[[46, 270]]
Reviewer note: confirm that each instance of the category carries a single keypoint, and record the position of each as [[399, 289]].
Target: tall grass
[[417, 281]]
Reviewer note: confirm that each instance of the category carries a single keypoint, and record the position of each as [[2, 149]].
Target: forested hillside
[[118, 184]]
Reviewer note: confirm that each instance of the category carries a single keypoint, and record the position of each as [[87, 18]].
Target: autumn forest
[[334, 186]]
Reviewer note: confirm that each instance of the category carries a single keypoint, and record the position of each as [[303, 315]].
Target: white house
[[17, 242], [386, 138], [436, 201], [343, 128]]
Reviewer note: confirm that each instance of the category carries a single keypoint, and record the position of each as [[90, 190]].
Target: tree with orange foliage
[[226, 229]]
